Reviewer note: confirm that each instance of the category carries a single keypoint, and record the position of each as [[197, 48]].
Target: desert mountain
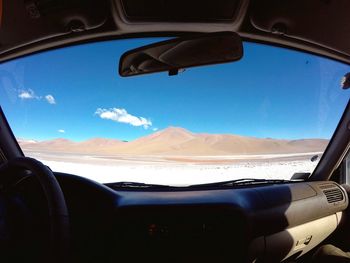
[[179, 141], [25, 142], [95, 145]]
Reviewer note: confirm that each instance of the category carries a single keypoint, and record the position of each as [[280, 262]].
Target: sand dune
[[179, 141]]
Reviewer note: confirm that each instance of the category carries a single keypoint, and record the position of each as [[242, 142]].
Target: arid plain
[[177, 156]]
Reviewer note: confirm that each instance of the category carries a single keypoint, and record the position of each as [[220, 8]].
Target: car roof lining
[[255, 21]]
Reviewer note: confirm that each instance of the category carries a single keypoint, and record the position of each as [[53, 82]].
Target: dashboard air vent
[[333, 195]]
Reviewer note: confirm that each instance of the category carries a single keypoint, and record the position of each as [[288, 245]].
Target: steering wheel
[[57, 209]]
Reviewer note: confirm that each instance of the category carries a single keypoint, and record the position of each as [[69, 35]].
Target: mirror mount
[[345, 82]]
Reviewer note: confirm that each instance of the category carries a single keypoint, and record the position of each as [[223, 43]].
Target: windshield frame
[[328, 162], [335, 151]]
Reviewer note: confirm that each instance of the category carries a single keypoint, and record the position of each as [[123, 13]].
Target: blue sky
[[76, 93]]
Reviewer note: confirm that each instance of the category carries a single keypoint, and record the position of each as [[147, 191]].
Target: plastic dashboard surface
[[206, 225]]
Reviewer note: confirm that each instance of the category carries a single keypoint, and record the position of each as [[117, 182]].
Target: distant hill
[[179, 141]]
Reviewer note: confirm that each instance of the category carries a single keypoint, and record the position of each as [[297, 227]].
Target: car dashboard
[[259, 223]]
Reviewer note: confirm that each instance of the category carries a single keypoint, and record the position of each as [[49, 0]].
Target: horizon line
[[169, 127]]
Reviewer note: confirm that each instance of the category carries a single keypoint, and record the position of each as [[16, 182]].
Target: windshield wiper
[[237, 182], [243, 181], [135, 185]]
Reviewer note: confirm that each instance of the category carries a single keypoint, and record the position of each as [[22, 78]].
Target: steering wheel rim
[[57, 208]]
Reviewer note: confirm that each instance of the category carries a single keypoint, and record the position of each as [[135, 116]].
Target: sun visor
[[27, 21], [322, 22]]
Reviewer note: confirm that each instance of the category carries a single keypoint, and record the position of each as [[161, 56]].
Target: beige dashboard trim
[[295, 241]]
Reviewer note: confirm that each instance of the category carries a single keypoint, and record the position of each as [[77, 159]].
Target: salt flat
[[182, 171]]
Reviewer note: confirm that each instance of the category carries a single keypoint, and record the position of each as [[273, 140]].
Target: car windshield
[[269, 115]]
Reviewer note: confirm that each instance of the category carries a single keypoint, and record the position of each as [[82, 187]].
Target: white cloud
[[61, 131], [50, 99], [30, 94], [27, 94], [155, 129], [121, 115]]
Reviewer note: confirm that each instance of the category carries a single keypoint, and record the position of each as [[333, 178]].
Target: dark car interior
[[46, 216]]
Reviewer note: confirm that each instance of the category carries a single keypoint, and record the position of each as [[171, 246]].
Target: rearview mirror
[[181, 53]]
